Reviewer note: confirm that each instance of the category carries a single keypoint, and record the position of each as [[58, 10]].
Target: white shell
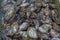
[[32, 32], [9, 11], [24, 4], [23, 26], [44, 28], [23, 33]]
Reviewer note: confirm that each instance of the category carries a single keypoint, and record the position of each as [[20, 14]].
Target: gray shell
[[23, 26], [44, 28], [32, 32]]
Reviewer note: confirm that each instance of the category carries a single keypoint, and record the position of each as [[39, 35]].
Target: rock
[[32, 32]]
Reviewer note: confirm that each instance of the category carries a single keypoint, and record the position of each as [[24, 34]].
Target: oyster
[[36, 24], [56, 27], [25, 4], [46, 0], [5, 2], [44, 28], [55, 39], [30, 20], [45, 36], [13, 29], [23, 26], [9, 11], [23, 34], [54, 33], [32, 32]]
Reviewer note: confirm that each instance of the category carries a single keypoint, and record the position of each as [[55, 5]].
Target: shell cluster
[[30, 20]]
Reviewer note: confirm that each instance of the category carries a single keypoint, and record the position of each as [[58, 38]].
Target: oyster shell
[[44, 28], [36, 24], [13, 29], [56, 27], [54, 33], [32, 32], [9, 11], [23, 26], [23, 34], [55, 39], [45, 36]]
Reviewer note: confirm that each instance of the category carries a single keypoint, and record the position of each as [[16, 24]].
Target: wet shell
[[33, 15], [59, 1], [38, 4], [32, 32], [24, 4], [14, 27], [44, 36], [23, 34], [54, 33], [55, 39], [44, 28], [9, 11], [56, 27], [23, 26], [46, 0], [46, 20], [5, 2], [36, 22]]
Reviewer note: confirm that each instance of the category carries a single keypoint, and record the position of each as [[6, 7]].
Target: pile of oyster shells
[[30, 20]]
